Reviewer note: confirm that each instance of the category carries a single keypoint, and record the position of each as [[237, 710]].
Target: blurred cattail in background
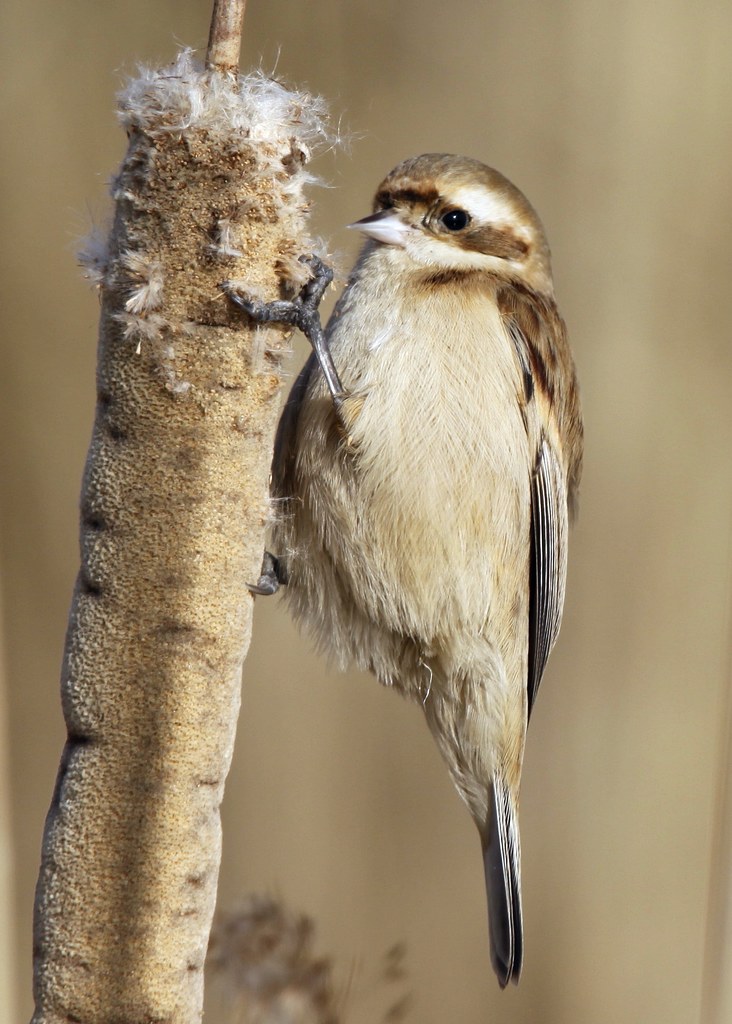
[[262, 969]]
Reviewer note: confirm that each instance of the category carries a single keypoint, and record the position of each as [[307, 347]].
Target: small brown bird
[[422, 518]]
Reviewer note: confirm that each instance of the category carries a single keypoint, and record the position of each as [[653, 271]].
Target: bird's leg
[[273, 575], [301, 312]]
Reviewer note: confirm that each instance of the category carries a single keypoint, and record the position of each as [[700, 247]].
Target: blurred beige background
[[615, 120]]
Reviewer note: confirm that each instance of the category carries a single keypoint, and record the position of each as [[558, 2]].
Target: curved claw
[[265, 588], [314, 289], [279, 311], [249, 306], [272, 575]]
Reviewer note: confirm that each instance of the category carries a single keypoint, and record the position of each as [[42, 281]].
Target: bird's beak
[[385, 226]]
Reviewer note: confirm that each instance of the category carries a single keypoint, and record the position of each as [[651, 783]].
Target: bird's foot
[[272, 577], [301, 312]]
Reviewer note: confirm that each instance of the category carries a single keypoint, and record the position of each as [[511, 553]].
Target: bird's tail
[[502, 863]]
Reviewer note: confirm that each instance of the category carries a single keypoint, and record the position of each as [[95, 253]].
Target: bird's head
[[452, 215]]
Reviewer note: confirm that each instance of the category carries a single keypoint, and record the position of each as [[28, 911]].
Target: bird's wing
[[548, 560], [553, 422], [285, 448]]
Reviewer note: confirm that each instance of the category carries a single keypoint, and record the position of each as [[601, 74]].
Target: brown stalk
[[173, 509], [224, 38]]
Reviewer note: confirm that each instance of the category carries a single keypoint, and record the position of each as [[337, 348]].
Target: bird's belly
[[442, 473]]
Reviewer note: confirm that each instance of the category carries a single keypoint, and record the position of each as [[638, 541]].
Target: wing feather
[[548, 565], [285, 446], [551, 411]]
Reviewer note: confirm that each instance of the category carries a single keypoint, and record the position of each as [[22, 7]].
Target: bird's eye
[[455, 220]]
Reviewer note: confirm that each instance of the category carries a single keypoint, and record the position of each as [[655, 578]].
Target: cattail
[[173, 509], [263, 969]]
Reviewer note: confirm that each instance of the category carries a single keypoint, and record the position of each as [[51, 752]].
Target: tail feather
[[502, 864]]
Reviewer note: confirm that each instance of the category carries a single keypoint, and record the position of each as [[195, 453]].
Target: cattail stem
[[224, 38], [173, 509]]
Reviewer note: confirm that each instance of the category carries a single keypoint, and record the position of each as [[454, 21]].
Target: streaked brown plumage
[[427, 541]]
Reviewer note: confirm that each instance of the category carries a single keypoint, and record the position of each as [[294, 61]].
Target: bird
[[421, 513]]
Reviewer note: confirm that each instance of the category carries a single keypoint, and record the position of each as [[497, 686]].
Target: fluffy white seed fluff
[[260, 109]]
